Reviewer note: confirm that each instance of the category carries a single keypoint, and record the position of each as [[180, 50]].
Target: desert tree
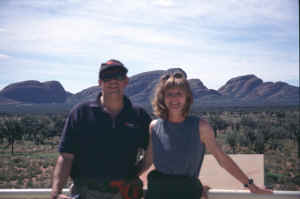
[[232, 140], [11, 130], [248, 122], [217, 123], [36, 128]]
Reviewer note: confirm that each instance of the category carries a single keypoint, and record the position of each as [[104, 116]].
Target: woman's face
[[175, 99]]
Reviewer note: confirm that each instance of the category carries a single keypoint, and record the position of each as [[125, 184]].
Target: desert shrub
[[276, 145], [273, 178], [259, 145], [296, 180], [17, 161], [232, 140], [217, 123], [29, 183], [248, 122], [243, 141], [250, 135], [20, 182]]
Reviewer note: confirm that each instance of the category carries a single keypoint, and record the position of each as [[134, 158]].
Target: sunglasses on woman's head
[[175, 75]]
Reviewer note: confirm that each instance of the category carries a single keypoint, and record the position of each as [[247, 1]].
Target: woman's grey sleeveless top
[[177, 148]]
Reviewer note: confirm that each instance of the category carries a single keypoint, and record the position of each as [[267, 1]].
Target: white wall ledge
[[213, 194]]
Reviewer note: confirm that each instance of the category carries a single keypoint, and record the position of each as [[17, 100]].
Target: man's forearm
[[61, 173]]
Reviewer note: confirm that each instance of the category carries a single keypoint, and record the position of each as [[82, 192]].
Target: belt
[[96, 184], [129, 188]]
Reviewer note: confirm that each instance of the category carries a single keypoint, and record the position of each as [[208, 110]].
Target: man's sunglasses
[[106, 77], [176, 75]]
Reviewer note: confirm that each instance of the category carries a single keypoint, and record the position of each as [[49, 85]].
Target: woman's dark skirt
[[163, 186]]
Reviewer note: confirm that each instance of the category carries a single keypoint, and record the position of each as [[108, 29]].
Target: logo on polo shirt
[[132, 125]]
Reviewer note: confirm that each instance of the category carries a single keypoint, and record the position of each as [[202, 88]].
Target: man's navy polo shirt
[[104, 148]]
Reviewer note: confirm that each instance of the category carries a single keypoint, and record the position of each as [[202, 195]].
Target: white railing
[[213, 194]]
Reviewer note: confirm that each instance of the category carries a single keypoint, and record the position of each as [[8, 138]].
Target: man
[[101, 141]]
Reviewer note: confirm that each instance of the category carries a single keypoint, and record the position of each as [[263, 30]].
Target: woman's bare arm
[[208, 138]]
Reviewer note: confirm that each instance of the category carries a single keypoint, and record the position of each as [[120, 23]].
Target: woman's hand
[[61, 196], [254, 189]]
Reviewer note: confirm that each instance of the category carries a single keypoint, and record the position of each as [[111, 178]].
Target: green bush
[[232, 140], [296, 180], [273, 178]]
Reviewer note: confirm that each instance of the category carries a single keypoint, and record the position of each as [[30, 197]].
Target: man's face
[[113, 82]]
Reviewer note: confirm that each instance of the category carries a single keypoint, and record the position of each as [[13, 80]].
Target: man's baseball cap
[[112, 64]]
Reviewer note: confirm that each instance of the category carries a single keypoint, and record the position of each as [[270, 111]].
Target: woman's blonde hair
[[166, 83]]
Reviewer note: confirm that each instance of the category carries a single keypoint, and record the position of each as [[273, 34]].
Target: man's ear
[[126, 81]]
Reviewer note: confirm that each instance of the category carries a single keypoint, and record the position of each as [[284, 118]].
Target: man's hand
[[205, 192], [61, 173]]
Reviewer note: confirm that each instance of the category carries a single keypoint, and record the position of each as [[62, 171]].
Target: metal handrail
[[212, 194]]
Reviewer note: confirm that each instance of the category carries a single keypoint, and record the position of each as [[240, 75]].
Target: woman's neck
[[176, 118]]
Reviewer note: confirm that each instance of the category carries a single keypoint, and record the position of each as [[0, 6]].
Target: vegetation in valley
[[28, 144]]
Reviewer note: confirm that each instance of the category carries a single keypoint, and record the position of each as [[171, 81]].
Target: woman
[[178, 142]]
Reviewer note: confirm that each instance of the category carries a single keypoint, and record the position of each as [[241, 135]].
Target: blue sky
[[213, 40]]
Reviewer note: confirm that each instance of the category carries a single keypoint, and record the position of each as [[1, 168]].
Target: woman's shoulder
[[202, 122], [155, 122]]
